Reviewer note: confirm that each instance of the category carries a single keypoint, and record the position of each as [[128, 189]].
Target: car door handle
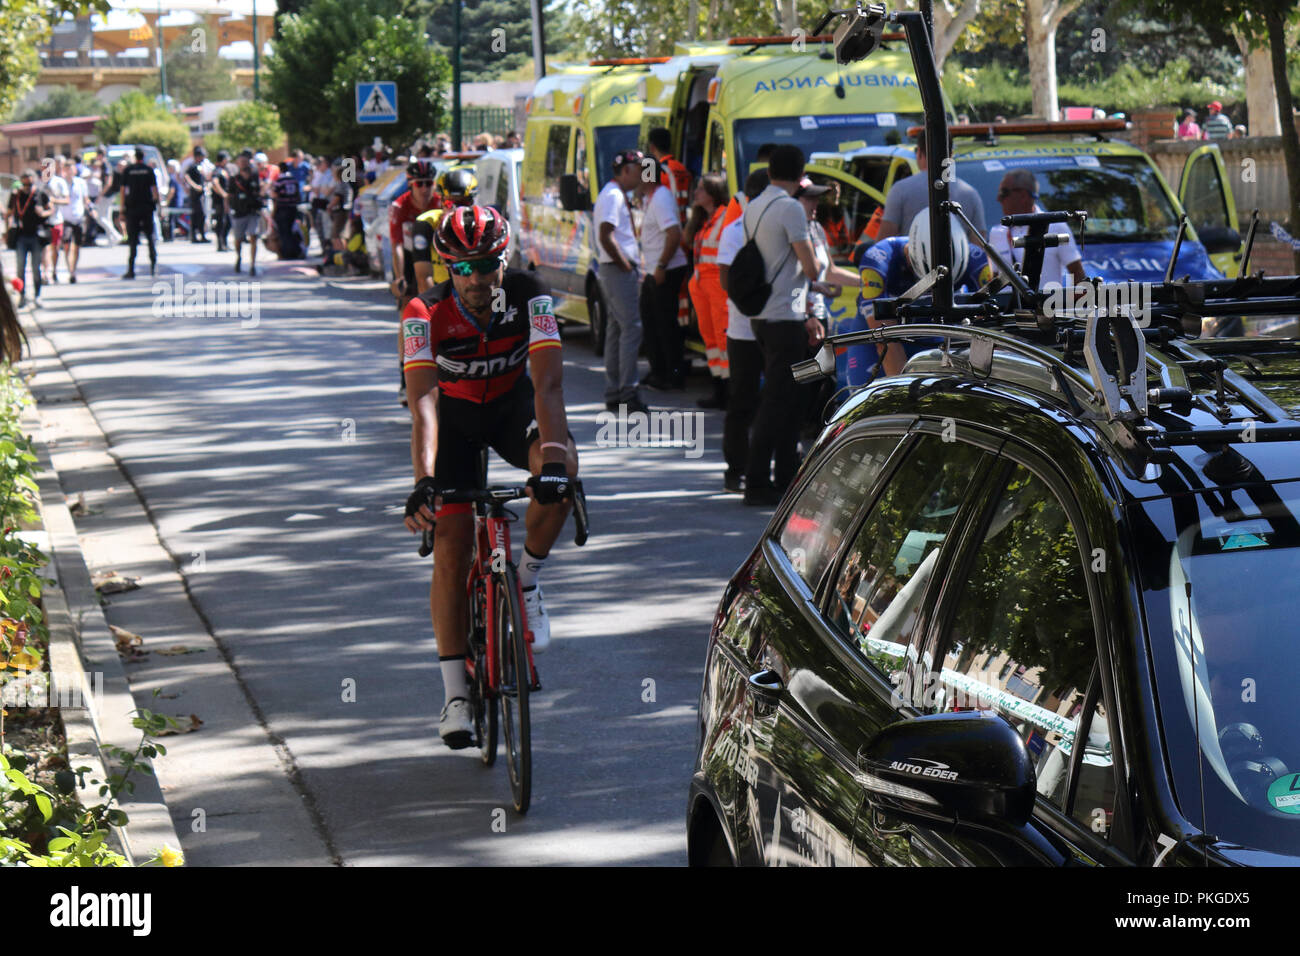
[[766, 686]]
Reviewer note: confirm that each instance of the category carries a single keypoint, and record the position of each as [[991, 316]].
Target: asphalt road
[[274, 452]]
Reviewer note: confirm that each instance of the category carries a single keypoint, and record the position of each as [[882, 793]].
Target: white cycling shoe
[[539, 622], [454, 726]]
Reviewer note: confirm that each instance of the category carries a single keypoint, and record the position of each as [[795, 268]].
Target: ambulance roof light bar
[[629, 61], [784, 40], [1033, 127]]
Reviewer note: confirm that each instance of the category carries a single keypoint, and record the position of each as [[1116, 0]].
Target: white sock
[[453, 676], [530, 569]]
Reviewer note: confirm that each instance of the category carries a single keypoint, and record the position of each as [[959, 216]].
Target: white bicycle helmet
[[259, 158], [918, 245]]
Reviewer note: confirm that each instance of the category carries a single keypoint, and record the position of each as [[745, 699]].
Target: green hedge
[[985, 92]]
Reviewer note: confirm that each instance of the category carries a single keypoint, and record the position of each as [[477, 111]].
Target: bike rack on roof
[[1108, 339]]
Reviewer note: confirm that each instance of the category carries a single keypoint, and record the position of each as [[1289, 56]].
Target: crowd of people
[[1217, 126], [692, 234]]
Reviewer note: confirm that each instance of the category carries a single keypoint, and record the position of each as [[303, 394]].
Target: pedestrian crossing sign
[[377, 102]]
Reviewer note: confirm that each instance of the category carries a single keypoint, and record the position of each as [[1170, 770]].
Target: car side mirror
[[1218, 239], [967, 768], [572, 197]]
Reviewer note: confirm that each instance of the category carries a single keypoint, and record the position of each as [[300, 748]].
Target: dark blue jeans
[[30, 245]]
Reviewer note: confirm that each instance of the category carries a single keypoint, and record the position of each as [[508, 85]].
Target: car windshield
[[1124, 200], [818, 134], [610, 141], [1218, 572]]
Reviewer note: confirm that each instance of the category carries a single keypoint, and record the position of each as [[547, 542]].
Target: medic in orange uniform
[[708, 217]]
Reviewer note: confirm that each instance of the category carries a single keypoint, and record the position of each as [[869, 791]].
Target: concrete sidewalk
[[231, 786]]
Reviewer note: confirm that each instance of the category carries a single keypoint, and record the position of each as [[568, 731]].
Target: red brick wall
[[1152, 125]]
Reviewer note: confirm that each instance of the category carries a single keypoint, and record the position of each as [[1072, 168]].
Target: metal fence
[[497, 120]]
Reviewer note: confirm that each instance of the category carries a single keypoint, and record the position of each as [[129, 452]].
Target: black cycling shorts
[[507, 425]]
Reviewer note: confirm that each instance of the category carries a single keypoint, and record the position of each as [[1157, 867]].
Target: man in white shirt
[[1017, 193], [619, 277], [778, 224], [74, 217], [56, 189], [665, 270]]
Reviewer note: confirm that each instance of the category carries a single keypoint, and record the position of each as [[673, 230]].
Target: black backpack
[[747, 284]]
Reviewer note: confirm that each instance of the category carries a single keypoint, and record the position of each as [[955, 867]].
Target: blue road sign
[[377, 102]]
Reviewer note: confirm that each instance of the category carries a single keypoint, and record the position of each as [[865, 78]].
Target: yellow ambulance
[[721, 102], [579, 117]]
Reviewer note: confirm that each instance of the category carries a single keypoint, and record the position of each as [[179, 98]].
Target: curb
[[80, 641]]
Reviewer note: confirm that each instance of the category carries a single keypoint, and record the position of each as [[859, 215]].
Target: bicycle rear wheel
[[513, 683]]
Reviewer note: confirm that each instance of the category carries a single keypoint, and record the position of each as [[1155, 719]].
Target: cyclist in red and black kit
[[401, 224], [483, 368]]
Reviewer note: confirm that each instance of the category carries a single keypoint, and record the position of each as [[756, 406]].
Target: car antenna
[[1244, 269], [1178, 244]]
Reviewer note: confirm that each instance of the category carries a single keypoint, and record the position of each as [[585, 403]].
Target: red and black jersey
[[479, 363]]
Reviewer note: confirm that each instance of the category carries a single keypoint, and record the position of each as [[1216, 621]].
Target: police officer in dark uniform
[[194, 183], [140, 189], [287, 191]]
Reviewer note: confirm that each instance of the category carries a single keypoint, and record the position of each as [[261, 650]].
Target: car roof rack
[[1121, 340]]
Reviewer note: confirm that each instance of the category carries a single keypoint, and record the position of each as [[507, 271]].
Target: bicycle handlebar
[[503, 493]]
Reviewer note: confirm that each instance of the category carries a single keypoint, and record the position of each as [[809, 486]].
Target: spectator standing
[[703, 233], [665, 270], [55, 188], [139, 202], [27, 211], [174, 199], [744, 357], [513, 141], [1217, 124], [1017, 193], [1187, 129], [910, 195], [219, 181], [677, 177], [74, 219], [246, 202], [195, 185], [322, 188], [287, 191], [784, 331], [619, 275]]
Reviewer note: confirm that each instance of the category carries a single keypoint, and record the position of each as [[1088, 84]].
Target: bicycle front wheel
[[513, 682]]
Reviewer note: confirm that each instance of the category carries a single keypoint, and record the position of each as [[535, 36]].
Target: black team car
[[1029, 602]]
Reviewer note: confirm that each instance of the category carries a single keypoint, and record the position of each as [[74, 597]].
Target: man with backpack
[[768, 281]]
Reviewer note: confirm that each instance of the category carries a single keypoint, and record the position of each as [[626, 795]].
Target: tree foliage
[[170, 135], [62, 102], [255, 125], [195, 74], [124, 111], [324, 50]]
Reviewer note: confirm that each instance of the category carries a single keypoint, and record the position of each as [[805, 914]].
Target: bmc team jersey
[[479, 363], [401, 225]]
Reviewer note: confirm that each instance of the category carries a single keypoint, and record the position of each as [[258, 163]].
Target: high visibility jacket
[[679, 181], [706, 240], [735, 209]]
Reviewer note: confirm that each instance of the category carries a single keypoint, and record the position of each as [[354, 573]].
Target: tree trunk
[[948, 26], [1042, 17], [713, 18], [692, 19], [1261, 95], [789, 17], [1290, 136]]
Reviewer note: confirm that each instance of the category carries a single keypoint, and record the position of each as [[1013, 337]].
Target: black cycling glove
[[553, 484], [426, 490]]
